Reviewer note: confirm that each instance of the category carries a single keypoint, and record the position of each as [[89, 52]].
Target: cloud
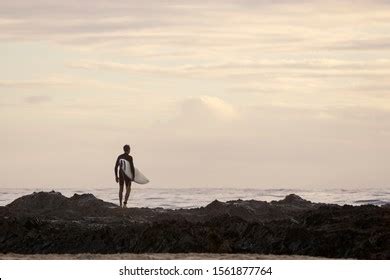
[[207, 108], [231, 26], [35, 82], [37, 99], [276, 145], [381, 43], [66, 82], [196, 119], [309, 82], [304, 67]]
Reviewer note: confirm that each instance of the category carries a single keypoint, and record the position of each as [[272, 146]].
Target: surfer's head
[[126, 149]]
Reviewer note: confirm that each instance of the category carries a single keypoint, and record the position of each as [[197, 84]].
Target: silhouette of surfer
[[123, 161]]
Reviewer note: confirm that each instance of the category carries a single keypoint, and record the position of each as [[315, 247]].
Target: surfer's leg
[[128, 189], [121, 183]]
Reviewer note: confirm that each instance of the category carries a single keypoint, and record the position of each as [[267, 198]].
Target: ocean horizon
[[175, 198]]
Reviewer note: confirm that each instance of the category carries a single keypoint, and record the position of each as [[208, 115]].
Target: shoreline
[[186, 198]]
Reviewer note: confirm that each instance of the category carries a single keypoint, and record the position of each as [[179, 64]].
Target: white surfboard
[[139, 178]]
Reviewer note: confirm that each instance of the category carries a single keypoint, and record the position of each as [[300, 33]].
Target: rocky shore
[[50, 223]]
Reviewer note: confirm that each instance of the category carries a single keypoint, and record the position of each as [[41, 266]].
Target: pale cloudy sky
[[208, 93]]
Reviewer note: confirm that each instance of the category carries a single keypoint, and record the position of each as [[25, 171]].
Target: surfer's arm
[[116, 168], [132, 168]]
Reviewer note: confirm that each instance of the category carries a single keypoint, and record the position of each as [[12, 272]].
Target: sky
[[208, 93]]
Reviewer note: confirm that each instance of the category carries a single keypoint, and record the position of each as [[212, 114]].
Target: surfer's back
[[125, 156]]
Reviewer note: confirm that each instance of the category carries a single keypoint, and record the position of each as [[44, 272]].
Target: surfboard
[[139, 178]]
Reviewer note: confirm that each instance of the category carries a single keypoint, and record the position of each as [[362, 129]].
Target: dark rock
[[47, 222]]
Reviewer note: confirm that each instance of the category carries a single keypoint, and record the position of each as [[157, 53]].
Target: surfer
[[124, 160]]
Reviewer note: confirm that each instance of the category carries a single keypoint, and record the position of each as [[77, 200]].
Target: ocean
[[174, 198]]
